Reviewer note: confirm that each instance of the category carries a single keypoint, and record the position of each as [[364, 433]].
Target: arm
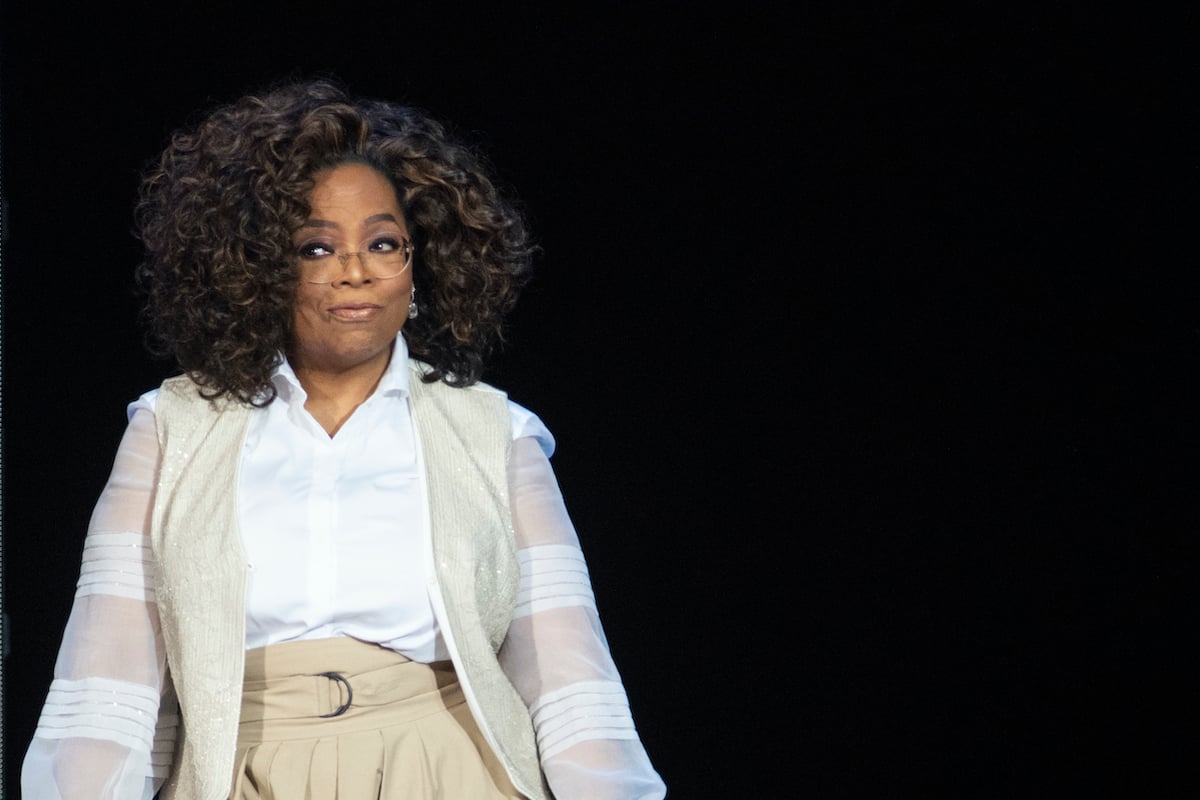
[[107, 729], [556, 654]]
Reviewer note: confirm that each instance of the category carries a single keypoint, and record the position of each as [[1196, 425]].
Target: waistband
[[339, 682]]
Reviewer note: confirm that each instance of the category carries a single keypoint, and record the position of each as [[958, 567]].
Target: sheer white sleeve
[[556, 654], [107, 729]]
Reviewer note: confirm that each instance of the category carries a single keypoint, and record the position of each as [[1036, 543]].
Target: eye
[[384, 244], [315, 250]]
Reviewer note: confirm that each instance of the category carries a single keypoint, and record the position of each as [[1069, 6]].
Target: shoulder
[[419, 369], [524, 423], [180, 387], [148, 401]]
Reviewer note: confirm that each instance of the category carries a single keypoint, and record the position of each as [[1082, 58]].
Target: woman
[[329, 561]]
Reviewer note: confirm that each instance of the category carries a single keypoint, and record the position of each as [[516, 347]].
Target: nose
[[354, 270]]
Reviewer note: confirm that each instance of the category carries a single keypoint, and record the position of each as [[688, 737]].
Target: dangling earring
[[412, 304]]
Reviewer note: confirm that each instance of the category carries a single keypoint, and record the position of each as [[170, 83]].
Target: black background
[[847, 324]]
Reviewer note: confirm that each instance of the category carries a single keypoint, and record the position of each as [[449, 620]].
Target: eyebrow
[[324, 223]]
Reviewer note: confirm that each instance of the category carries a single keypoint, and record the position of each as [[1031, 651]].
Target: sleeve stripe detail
[[116, 539], [581, 712], [110, 686], [102, 733], [56, 709], [566, 551], [611, 688], [118, 564], [116, 590], [549, 749], [100, 708], [127, 546], [140, 730], [112, 566], [91, 580], [552, 576], [128, 554]]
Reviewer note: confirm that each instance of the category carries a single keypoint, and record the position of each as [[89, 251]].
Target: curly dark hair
[[217, 211]]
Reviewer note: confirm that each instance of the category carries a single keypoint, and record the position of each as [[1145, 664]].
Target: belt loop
[[337, 677]]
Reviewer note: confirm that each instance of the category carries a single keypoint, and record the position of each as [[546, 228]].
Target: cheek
[[303, 305], [307, 319]]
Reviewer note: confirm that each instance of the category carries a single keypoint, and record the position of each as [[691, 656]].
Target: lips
[[355, 312]]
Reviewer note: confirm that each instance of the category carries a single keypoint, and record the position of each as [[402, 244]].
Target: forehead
[[352, 184]]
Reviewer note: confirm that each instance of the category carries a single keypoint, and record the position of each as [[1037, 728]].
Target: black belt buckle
[[334, 676]]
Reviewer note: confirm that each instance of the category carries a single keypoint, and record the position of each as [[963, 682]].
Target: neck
[[333, 392]]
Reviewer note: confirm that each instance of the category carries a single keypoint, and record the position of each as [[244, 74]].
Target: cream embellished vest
[[464, 435]]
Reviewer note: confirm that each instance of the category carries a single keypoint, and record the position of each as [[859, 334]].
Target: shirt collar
[[394, 381]]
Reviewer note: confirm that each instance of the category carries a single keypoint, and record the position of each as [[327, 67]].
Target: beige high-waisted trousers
[[339, 718]]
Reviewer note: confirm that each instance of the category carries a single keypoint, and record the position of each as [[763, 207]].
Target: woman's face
[[352, 319]]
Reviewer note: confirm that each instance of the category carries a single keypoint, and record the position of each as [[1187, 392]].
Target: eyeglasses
[[384, 259]]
